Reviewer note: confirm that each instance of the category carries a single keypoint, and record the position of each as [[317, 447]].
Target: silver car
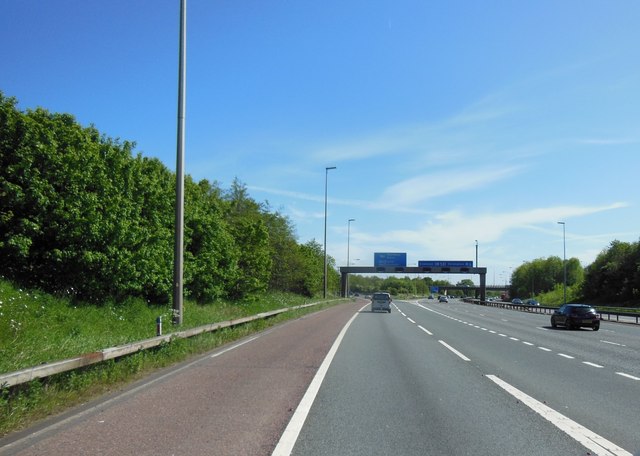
[[381, 301]]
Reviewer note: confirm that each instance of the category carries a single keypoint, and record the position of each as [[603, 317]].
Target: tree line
[[82, 215], [613, 278]]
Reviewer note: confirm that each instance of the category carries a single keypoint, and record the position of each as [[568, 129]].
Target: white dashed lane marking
[[530, 344]]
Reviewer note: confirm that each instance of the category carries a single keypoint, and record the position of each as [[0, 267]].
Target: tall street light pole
[[348, 240], [326, 179], [476, 253], [564, 260], [178, 254]]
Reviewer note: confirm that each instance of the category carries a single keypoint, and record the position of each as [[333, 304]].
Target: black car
[[574, 316]]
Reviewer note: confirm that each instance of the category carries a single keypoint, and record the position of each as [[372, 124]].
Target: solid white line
[[127, 393], [290, 435], [628, 376], [215, 355], [592, 364], [589, 439], [454, 350], [565, 356], [425, 330]]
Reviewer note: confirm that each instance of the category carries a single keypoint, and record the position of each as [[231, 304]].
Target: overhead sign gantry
[[393, 263]]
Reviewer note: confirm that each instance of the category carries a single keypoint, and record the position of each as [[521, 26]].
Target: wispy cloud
[[607, 141], [426, 137], [361, 204], [420, 188], [440, 235]]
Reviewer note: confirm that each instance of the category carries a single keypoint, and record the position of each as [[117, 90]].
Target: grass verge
[[36, 328]]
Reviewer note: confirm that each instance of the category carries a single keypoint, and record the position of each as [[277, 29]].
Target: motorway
[[427, 379], [459, 379]]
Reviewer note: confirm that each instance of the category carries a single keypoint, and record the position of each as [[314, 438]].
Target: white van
[[381, 301]]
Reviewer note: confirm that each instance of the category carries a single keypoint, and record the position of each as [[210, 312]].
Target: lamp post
[[476, 253], [326, 178], [178, 251], [564, 260], [348, 240], [349, 237]]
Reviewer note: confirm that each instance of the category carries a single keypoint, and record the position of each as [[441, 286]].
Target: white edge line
[[215, 355], [589, 439], [454, 350], [126, 393], [628, 376], [290, 435]]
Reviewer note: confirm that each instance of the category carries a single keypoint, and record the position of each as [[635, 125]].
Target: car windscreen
[[582, 310]]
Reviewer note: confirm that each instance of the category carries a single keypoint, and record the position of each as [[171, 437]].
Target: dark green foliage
[[81, 216], [614, 276], [247, 226], [211, 253], [543, 275]]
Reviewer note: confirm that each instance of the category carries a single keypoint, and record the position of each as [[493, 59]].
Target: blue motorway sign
[[445, 264], [389, 259]]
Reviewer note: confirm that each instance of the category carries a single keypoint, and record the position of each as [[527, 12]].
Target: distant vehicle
[[532, 302], [516, 301], [443, 299], [381, 301], [574, 316], [430, 297]]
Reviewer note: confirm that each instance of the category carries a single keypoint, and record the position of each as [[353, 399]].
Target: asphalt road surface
[[234, 401], [458, 379], [427, 379]]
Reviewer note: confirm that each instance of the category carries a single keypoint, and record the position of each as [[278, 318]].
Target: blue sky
[[448, 121]]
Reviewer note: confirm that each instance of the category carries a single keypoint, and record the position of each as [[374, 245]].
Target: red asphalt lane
[[235, 402]]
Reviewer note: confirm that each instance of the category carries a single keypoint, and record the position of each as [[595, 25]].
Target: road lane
[[394, 389], [556, 370], [228, 402]]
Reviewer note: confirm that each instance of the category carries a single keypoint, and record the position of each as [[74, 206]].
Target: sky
[[450, 123]]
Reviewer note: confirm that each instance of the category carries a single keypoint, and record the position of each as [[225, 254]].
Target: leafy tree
[[283, 251], [309, 276], [247, 226], [614, 276], [212, 255]]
